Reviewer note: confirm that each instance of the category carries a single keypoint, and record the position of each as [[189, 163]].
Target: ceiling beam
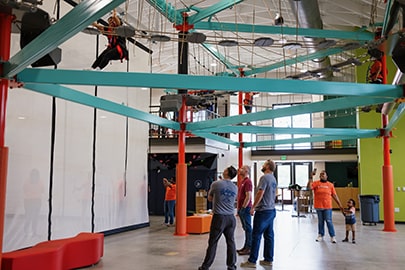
[[308, 131], [396, 117], [100, 103], [217, 138], [212, 10], [69, 25], [198, 82], [302, 140], [222, 59], [358, 35], [167, 10], [321, 106], [292, 61]]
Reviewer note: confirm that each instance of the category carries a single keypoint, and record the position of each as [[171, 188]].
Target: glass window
[[294, 121]]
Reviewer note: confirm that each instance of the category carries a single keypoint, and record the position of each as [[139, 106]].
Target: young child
[[350, 220]]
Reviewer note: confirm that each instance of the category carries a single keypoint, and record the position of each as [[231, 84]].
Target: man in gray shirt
[[263, 221], [223, 195]]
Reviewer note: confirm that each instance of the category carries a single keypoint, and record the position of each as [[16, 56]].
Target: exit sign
[[283, 158]]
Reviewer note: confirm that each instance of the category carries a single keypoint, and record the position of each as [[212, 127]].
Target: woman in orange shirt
[[324, 191], [170, 200]]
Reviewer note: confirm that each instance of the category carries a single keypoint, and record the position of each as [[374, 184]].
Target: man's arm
[[258, 198], [248, 195]]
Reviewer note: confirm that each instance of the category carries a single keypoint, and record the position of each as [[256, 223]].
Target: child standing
[[350, 220]]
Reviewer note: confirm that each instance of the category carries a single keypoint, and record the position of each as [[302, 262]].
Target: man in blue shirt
[[264, 213], [223, 195]]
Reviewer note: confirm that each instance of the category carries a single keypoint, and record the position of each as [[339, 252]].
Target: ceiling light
[[21, 117], [160, 38], [213, 64], [327, 43], [292, 46], [125, 31], [228, 43], [263, 42], [278, 20], [196, 37]]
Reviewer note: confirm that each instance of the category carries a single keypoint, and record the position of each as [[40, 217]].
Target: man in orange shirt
[[170, 200], [324, 191]]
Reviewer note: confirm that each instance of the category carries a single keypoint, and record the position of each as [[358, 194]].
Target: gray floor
[[156, 247]]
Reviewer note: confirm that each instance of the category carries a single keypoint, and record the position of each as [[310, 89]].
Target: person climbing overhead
[[116, 49]]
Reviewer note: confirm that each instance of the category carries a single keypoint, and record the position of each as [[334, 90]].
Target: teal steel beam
[[167, 10], [388, 7], [222, 59], [303, 140], [292, 61], [181, 81], [396, 117], [308, 131], [359, 35], [217, 138], [326, 105], [212, 10], [99, 103], [69, 25]]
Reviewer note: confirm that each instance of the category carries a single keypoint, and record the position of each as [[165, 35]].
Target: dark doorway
[[201, 172]]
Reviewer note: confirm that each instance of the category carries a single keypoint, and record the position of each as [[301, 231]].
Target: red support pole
[[387, 173], [5, 37], [181, 175], [388, 182]]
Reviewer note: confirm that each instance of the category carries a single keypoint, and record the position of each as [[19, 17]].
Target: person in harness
[[376, 74], [116, 49]]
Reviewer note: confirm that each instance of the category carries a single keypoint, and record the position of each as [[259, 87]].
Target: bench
[[82, 250]]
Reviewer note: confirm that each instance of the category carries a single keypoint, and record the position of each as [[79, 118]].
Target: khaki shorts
[[351, 227]]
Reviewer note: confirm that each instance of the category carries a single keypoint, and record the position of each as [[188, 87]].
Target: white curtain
[[55, 198]]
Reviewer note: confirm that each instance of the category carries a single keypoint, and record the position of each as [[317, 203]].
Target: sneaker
[[319, 238], [345, 240], [265, 263], [333, 240], [354, 241], [248, 264]]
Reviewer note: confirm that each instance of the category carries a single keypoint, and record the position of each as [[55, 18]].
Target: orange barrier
[[69, 253], [198, 223]]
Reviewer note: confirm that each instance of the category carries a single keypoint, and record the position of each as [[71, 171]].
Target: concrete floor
[[156, 247]]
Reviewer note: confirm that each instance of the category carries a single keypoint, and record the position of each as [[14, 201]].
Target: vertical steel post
[[5, 37]]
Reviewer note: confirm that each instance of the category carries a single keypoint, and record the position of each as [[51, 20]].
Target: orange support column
[[181, 176], [5, 37], [388, 177], [3, 185], [388, 183]]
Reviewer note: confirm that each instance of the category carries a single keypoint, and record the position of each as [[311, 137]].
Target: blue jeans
[[263, 224], [325, 215], [246, 221], [169, 211]]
